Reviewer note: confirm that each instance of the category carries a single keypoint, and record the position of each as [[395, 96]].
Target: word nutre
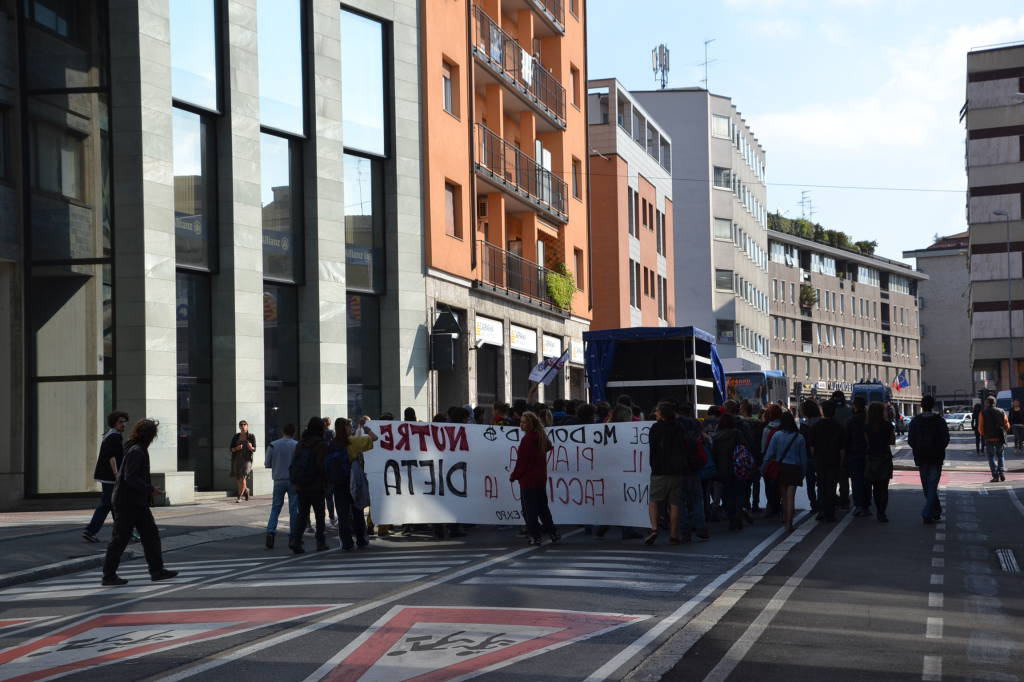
[[415, 437], [434, 482]]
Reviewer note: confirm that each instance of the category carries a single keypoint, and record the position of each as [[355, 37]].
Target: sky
[[855, 93]]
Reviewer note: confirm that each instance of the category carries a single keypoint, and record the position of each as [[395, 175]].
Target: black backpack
[[338, 465], [302, 470]]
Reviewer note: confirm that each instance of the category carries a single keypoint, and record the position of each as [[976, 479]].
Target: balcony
[[551, 13], [505, 166], [514, 277], [519, 70]]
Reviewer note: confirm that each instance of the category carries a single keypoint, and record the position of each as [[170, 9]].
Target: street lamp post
[[1011, 371]]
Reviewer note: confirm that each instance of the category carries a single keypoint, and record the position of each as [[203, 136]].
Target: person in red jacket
[[531, 471]]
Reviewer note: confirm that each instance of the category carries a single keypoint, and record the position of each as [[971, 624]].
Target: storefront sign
[[552, 346], [490, 331], [521, 338], [455, 473], [576, 352]]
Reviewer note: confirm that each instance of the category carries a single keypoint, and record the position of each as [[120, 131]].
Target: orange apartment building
[[631, 206], [506, 194]]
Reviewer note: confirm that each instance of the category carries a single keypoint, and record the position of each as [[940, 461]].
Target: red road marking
[[67, 650], [550, 630]]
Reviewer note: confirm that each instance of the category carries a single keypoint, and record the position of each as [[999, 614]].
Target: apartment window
[[574, 7], [57, 158], [775, 284], [643, 211], [574, 80], [792, 293], [577, 255], [629, 210], [723, 228], [636, 280], [363, 83], [723, 280], [452, 213], [577, 178], [722, 177], [194, 52], [194, 181], [647, 282], [279, 36], [280, 205], [636, 212], [720, 126], [842, 303], [450, 87]]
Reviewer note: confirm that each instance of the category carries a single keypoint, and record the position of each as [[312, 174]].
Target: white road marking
[[1007, 560], [584, 573], [931, 670], [937, 579], [938, 549], [1015, 500], [940, 537], [377, 565], [938, 562], [940, 526], [742, 646], [982, 491], [535, 581], [369, 578], [933, 628], [721, 605], [935, 600]]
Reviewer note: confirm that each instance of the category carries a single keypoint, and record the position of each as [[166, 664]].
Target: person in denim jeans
[[993, 426], [107, 464], [278, 459], [928, 438]]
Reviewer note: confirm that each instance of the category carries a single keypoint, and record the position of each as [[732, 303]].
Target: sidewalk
[[960, 455], [40, 544]]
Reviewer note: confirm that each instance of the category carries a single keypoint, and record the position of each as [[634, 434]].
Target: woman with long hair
[[133, 493], [243, 444], [878, 469], [531, 471], [350, 517], [788, 448], [811, 413]]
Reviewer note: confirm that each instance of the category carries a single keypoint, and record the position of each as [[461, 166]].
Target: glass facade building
[[181, 242]]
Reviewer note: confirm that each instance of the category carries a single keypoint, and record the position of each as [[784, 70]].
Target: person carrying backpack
[[928, 438], [309, 475], [734, 464], [692, 520], [993, 427]]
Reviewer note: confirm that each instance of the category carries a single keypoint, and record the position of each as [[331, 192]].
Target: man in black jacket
[[670, 462], [107, 464], [928, 438]]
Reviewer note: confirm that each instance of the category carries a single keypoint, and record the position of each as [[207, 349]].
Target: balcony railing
[[519, 172], [514, 275], [555, 8], [505, 53]]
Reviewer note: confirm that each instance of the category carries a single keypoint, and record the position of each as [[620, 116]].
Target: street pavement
[[853, 600]]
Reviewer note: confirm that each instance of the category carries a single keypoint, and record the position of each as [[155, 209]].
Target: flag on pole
[[896, 384], [904, 382], [546, 371]]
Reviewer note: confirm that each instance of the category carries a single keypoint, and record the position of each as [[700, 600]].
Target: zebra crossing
[[358, 567], [641, 571], [87, 583]]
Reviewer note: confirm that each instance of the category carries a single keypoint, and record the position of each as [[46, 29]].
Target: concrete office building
[[507, 252], [943, 305], [209, 211], [839, 317], [994, 116], [631, 211], [720, 236]]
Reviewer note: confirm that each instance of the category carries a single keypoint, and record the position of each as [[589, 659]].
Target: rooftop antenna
[[706, 61], [659, 63], [804, 203]]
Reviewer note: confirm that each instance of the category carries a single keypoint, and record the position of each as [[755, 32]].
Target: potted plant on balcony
[[560, 286], [808, 296]]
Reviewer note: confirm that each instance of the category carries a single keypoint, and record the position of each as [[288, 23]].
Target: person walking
[[928, 437], [975, 416], [811, 413], [828, 445], [243, 445], [789, 449], [772, 424], [531, 472], [856, 457], [843, 416], [107, 464], [308, 475], [993, 427], [278, 459], [691, 509], [132, 496], [668, 462], [1016, 419], [878, 464], [727, 440]]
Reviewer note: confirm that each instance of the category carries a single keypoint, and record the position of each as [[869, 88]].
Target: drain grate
[[1007, 560]]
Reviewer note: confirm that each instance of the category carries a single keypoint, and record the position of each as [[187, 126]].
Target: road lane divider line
[[229, 656], [708, 617], [933, 628], [931, 669], [741, 647], [1016, 501]]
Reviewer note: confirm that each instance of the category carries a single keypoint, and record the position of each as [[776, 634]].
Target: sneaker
[[89, 537], [703, 534], [113, 581], [533, 541], [270, 541], [162, 575], [1002, 477], [310, 530], [651, 538], [555, 537], [995, 479]]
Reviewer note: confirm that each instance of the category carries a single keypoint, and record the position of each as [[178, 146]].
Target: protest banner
[[459, 473]]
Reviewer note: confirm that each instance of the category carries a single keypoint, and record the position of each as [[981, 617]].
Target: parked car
[[958, 421]]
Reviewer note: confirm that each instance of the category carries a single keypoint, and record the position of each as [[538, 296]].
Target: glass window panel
[[280, 358], [195, 431], [71, 317], [194, 52], [65, 464], [194, 324], [723, 279], [279, 32], [65, 44], [363, 315], [281, 201], [364, 224], [363, 84], [194, 215], [3, 143], [723, 228]]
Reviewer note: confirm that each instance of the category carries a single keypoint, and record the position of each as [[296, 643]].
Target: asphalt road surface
[[852, 600]]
